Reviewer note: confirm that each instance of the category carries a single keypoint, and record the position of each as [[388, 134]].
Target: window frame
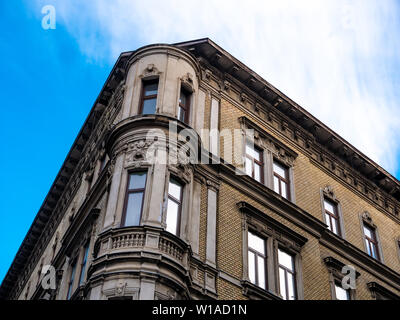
[[286, 270], [180, 204], [398, 247], [260, 163], [103, 162], [84, 263], [257, 255], [129, 191], [143, 98], [337, 284], [276, 235], [332, 215], [70, 287], [286, 179], [374, 241], [186, 107]]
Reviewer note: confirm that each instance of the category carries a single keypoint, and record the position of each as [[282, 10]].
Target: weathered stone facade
[[80, 227]]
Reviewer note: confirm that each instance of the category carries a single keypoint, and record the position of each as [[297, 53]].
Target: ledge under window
[[254, 292]]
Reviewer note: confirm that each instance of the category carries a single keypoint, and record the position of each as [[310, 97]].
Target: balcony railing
[[150, 239]]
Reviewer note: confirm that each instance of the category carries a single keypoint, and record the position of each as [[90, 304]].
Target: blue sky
[[332, 57]]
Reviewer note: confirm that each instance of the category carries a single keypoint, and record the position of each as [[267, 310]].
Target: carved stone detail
[[328, 191], [136, 152]]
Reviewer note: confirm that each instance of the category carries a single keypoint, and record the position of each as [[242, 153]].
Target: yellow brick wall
[[308, 180]]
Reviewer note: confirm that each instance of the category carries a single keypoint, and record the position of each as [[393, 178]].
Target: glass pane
[[374, 251], [137, 180], [71, 281], [291, 286], [256, 243], [261, 272], [252, 152], [252, 268], [82, 276], [248, 167], [328, 221], [182, 98], [284, 189], [282, 283], [334, 226], [368, 232], [276, 184], [285, 259], [367, 244], [329, 206], [257, 172], [150, 89], [341, 294], [181, 114], [133, 209], [279, 169], [175, 189], [149, 106], [172, 216]]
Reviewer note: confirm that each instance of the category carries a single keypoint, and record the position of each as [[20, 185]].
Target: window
[[89, 185], [134, 199], [102, 163], [272, 267], [281, 179], [149, 97], [83, 264], [257, 260], [340, 293], [371, 242], [254, 162], [71, 280], [174, 206], [332, 216], [184, 106], [287, 280]]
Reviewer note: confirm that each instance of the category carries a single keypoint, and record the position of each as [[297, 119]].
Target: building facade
[[194, 178]]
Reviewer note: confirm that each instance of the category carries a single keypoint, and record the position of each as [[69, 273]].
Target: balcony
[[151, 252], [141, 250]]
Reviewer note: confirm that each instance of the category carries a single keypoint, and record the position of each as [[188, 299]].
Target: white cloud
[[334, 58]]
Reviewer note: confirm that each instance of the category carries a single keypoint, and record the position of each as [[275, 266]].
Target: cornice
[[362, 259], [274, 104], [63, 188], [271, 222], [270, 199]]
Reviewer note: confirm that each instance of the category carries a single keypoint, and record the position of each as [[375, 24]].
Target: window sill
[[254, 292]]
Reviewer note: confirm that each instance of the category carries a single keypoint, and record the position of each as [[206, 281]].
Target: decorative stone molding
[[187, 82], [136, 152], [212, 185], [150, 72], [379, 292], [206, 74], [243, 97], [335, 266], [121, 289], [182, 171], [329, 193], [367, 217]]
